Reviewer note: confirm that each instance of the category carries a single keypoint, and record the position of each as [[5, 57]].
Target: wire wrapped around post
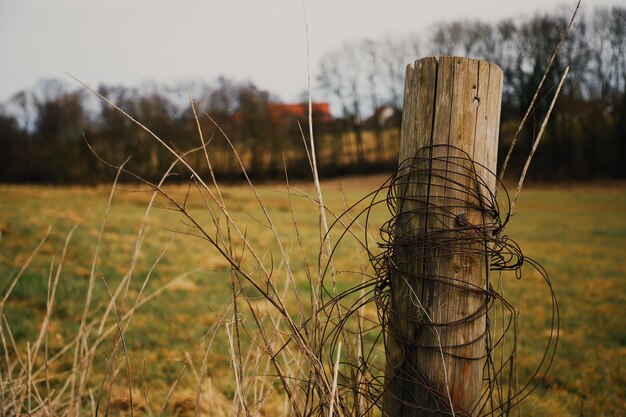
[[362, 385], [442, 355]]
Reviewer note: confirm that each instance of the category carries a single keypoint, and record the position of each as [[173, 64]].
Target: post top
[[458, 60]]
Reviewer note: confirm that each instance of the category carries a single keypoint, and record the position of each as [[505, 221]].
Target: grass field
[[577, 232]]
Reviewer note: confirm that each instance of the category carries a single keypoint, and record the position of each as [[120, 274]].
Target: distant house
[[300, 111], [384, 117]]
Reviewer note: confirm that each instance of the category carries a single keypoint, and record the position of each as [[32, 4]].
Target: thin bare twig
[[538, 139], [531, 106]]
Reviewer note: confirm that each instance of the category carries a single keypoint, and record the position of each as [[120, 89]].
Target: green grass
[[578, 233]]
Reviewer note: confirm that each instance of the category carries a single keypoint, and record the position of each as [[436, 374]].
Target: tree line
[[44, 131]]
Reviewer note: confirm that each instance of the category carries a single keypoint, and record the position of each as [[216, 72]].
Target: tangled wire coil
[[444, 241]]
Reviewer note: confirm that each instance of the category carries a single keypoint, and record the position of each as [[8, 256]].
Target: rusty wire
[[404, 248]]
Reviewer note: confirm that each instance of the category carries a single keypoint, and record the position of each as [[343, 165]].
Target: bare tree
[[342, 77], [254, 126], [395, 54], [470, 38], [608, 50]]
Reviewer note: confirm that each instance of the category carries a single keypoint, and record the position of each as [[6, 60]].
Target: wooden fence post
[[435, 336]]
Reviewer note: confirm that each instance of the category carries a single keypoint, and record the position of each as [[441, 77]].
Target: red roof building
[[300, 111]]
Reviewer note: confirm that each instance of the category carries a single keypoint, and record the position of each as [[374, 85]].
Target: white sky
[[131, 41]]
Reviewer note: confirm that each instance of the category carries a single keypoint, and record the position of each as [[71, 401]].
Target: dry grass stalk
[[538, 138], [531, 106]]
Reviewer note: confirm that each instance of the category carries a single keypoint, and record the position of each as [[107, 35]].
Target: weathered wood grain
[[455, 102]]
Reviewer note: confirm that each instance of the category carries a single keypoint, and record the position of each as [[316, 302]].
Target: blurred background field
[[578, 232]]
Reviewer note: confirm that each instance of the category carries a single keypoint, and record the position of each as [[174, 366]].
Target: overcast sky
[[131, 41]]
